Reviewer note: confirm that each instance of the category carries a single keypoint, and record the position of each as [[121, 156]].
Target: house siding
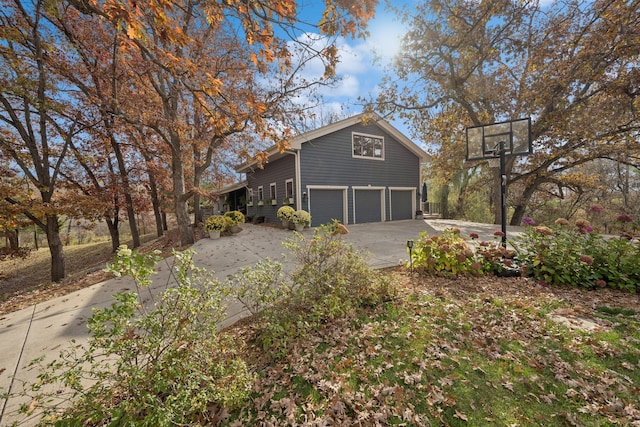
[[328, 161], [277, 171]]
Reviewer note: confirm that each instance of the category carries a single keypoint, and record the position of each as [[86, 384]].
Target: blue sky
[[360, 75]]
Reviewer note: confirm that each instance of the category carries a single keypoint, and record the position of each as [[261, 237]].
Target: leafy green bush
[[557, 255], [156, 360], [261, 286], [446, 254], [285, 213], [217, 223], [566, 255], [331, 280], [494, 259], [616, 264], [235, 217]]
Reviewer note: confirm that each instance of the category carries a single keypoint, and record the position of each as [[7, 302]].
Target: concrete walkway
[[45, 328]]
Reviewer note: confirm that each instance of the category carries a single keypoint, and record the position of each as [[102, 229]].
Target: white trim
[[230, 188], [356, 156], [413, 200], [298, 195], [296, 143], [290, 197], [344, 188], [260, 193], [274, 195], [367, 187], [250, 197]]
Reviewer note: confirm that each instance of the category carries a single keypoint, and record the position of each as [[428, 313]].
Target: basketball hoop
[[493, 143], [483, 141]]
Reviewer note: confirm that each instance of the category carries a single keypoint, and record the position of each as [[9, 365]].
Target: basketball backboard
[[483, 141]]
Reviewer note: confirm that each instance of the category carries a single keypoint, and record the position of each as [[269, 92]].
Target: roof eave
[[296, 143]]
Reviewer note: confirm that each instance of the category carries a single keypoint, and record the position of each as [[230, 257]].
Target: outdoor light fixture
[[410, 246]]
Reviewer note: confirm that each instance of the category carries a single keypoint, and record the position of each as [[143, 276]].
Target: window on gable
[[369, 146]]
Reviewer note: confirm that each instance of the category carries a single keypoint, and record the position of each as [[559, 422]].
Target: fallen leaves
[[477, 351]]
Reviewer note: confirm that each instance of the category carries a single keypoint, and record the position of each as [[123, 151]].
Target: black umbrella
[[424, 192]]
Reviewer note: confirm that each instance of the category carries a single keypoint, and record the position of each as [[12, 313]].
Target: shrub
[[157, 361], [261, 286], [566, 255], [558, 255], [494, 259], [235, 217], [552, 254], [285, 213], [446, 254], [301, 217], [217, 223], [331, 280]]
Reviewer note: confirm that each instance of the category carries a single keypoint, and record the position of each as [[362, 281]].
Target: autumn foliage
[[112, 108], [570, 66]]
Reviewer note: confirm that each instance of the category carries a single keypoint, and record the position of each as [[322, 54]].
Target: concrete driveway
[[45, 328]]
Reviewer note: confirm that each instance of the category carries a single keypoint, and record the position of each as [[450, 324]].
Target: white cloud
[[353, 60], [385, 36], [358, 73], [347, 86]]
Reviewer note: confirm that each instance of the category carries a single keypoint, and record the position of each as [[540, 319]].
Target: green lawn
[[477, 351]]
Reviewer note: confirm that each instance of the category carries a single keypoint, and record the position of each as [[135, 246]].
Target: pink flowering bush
[[574, 255], [561, 254], [446, 254]]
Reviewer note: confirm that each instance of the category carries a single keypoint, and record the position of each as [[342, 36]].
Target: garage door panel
[[368, 206], [326, 205], [401, 206]]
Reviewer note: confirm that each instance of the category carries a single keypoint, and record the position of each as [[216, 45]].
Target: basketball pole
[[503, 194]]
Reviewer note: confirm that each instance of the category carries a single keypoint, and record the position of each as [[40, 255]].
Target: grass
[[468, 351], [25, 281], [455, 353]]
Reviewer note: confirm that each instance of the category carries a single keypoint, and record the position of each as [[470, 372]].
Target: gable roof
[[296, 143]]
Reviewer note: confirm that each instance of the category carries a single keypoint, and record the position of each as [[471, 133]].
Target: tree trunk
[[114, 233], [12, 236], [522, 203], [157, 214], [55, 248], [131, 214], [179, 197], [197, 212], [155, 198], [35, 237]]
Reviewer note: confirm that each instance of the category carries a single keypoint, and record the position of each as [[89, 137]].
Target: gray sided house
[[352, 171]]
